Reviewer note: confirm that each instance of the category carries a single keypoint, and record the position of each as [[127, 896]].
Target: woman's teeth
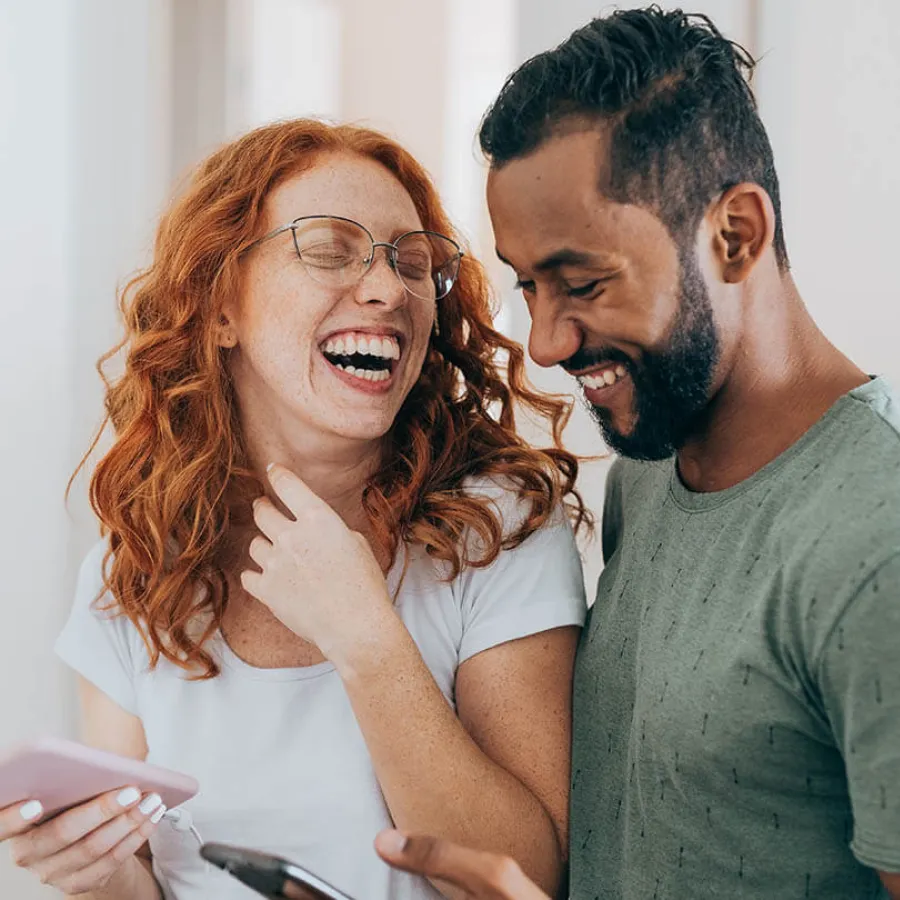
[[367, 345], [604, 378], [366, 374]]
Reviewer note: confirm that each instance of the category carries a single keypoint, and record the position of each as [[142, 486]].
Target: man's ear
[[743, 228], [226, 336]]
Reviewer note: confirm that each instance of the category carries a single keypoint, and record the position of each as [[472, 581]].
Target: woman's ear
[[225, 333], [743, 227]]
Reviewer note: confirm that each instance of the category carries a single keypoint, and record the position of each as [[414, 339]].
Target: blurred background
[[106, 104]]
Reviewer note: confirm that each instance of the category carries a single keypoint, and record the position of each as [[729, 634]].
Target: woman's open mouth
[[364, 361]]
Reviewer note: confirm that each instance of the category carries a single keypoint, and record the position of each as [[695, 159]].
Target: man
[[737, 696]]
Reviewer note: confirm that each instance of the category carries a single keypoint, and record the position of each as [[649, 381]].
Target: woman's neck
[[336, 471]]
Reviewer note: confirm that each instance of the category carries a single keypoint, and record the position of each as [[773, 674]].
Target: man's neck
[[784, 377]]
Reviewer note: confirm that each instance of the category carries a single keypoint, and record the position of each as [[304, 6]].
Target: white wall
[[84, 100], [829, 90], [35, 317]]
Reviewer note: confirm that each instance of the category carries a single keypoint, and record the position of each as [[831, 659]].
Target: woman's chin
[[366, 427]]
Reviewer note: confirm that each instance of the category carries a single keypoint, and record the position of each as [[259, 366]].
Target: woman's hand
[[318, 577], [83, 849]]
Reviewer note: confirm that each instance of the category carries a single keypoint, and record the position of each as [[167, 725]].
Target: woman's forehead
[[345, 185]]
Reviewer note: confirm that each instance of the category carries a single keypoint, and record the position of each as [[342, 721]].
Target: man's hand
[[485, 876]]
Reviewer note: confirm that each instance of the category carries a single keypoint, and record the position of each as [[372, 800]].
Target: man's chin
[[638, 442]]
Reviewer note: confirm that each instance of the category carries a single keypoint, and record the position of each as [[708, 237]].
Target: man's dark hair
[[683, 120]]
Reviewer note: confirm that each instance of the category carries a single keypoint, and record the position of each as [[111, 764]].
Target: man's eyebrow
[[559, 258]]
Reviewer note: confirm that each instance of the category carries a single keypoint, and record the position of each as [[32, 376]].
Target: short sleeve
[[97, 644], [859, 678], [532, 588]]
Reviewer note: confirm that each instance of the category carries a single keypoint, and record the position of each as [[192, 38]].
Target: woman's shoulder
[[511, 503], [94, 607], [97, 642], [530, 586]]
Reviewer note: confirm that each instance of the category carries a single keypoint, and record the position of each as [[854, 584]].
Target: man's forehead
[[557, 234], [567, 169]]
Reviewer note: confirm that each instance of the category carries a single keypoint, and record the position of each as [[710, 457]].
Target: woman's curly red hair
[[176, 483]]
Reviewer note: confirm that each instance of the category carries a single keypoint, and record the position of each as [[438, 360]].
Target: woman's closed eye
[[327, 256]]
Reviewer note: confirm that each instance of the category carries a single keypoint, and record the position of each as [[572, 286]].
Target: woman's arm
[[106, 726], [495, 778]]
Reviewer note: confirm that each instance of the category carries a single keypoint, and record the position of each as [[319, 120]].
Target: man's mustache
[[591, 357]]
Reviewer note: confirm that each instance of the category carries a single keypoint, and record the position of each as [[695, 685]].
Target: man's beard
[[671, 385]]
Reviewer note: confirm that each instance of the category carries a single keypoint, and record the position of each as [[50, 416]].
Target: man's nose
[[554, 335]]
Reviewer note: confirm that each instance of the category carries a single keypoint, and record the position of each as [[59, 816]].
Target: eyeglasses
[[337, 252]]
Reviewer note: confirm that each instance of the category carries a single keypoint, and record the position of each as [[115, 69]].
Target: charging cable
[[182, 821]]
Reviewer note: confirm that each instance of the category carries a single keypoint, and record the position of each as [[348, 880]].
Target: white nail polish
[[128, 796], [150, 803], [158, 815], [31, 811]]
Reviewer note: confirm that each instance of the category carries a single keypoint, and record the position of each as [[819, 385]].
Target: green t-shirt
[[737, 691]]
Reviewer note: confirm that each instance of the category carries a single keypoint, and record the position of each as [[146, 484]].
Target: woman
[[338, 589]]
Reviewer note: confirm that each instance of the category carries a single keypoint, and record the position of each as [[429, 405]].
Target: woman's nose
[[381, 284]]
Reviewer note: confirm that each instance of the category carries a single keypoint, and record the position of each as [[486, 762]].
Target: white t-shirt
[[281, 761]]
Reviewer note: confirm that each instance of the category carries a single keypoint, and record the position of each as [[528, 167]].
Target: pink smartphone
[[62, 774]]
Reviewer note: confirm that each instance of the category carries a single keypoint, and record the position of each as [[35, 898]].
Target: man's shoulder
[[628, 476], [851, 484], [865, 433], [839, 521], [881, 400], [631, 485]]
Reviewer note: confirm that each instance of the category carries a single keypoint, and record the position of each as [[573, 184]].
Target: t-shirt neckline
[[230, 659], [698, 501]]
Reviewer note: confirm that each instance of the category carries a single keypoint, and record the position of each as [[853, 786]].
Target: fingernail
[[150, 803], [393, 842], [128, 796], [270, 466], [31, 810], [158, 815]]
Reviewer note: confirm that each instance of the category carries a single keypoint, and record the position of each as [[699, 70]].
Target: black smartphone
[[269, 875]]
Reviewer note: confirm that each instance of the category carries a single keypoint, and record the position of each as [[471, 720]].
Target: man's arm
[[891, 881], [858, 676]]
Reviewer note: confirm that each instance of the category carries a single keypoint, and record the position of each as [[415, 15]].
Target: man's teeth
[[366, 374], [606, 378], [370, 345]]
